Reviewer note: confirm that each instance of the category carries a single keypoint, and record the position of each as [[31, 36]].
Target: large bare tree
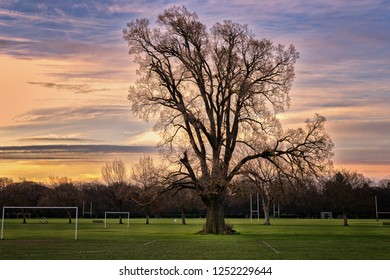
[[214, 92]]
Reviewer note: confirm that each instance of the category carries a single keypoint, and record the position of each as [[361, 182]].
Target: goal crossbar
[[105, 217], [38, 207], [378, 212]]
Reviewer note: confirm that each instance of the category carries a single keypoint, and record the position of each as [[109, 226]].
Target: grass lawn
[[291, 239]]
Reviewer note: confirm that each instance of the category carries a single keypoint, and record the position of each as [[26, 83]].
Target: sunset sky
[[65, 72]]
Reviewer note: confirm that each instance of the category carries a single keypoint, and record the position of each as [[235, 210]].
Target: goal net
[[5, 208]]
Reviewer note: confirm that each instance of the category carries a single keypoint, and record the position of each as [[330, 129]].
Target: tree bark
[[120, 210], [266, 203], [24, 217], [183, 217], [69, 217], [147, 216], [215, 217], [345, 218]]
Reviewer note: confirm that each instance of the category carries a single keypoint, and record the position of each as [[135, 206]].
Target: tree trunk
[[266, 203], [147, 216], [24, 216], [120, 210], [183, 217], [69, 217], [345, 218], [215, 218]]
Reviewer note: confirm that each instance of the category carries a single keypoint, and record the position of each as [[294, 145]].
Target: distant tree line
[[346, 194]]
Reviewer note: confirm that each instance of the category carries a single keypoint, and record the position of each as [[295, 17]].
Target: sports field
[[291, 239]]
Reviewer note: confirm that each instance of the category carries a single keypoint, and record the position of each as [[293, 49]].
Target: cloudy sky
[[65, 72]]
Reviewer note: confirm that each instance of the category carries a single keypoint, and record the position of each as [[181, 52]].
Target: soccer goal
[[110, 213], [31, 207], [326, 215]]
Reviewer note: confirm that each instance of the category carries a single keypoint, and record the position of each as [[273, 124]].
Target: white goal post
[[326, 215], [105, 217], [376, 210], [44, 207]]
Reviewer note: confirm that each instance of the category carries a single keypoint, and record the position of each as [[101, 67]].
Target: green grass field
[[291, 239]]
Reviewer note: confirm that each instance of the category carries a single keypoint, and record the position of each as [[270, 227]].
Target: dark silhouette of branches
[[217, 92]]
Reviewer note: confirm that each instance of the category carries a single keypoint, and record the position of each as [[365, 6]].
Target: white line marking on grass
[[64, 253], [147, 243], [269, 246]]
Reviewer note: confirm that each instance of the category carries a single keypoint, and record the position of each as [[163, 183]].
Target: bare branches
[[215, 80], [114, 173], [146, 185], [217, 93], [298, 152]]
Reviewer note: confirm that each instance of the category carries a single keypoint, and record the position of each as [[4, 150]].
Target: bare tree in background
[[183, 200], [266, 179], [24, 193], [115, 175], [62, 192], [339, 190], [217, 91], [114, 172], [5, 182], [146, 185]]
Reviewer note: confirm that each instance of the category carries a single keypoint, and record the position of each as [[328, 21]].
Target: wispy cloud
[[89, 124], [61, 152], [78, 148], [57, 138], [74, 88], [65, 114]]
